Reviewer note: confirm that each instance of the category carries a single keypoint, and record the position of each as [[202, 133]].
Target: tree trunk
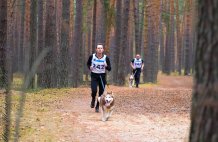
[[187, 39], [63, 70], [161, 36], [141, 26], [3, 42], [136, 20], [172, 37], [70, 53], [20, 52], [152, 50], [88, 43], [16, 37], [178, 34], [109, 22], [146, 75], [77, 47], [117, 40], [94, 26], [204, 113], [5, 68], [101, 22], [41, 36], [50, 42], [33, 38], [27, 44], [130, 51], [167, 66], [124, 45], [10, 29]]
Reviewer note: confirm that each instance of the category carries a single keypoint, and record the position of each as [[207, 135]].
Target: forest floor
[[151, 113]]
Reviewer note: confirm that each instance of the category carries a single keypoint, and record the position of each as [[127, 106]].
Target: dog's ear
[[112, 94]]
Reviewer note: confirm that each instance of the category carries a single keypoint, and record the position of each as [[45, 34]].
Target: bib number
[[98, 66]]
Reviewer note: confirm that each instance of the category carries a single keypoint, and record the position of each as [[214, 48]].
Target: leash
[[134, 72], [102, 83]]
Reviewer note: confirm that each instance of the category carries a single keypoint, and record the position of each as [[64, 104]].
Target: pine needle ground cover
[[149, 113]]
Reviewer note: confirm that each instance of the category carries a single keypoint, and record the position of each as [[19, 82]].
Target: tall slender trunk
[[131, 46], [121, 70], [178, 35], [16, 37], [109, 23], [21, 50], [141, 26], [5, 68], [33, 38], [146, 75], [161, 35], [101, 22], [152, 50], [49, 72], [71, 50], [65, 35], [41, 36], [94, 26], [27, 42], [183, 35], [88, 38], [172, 37], [77, 46], [136, 20], [187, 39], [117, 39], [167, 67]]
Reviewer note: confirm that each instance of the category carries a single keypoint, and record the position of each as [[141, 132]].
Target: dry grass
[[152, 112]]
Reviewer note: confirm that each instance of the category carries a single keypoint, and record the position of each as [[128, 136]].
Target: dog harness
[[98, 64], [137, 63]]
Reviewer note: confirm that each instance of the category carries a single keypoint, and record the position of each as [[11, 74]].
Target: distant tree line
[[162, 31]]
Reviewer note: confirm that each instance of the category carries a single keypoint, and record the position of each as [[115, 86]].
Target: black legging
[[95, 82], [137, 73]]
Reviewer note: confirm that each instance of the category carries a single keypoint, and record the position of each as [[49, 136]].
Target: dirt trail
[[151, 113], [147, 114]]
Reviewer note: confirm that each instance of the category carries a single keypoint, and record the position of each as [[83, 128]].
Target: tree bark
[[41, 37], [145, 71], [33, 38], [27, 44], [117, 40], [101, 22], [49, 72], [172, 37], [63, 70], [77, 67], [187, 39], [124, 45], [178, 35], [94, 26], [204, 113], [5, 68], [136, 21], [109, 22]]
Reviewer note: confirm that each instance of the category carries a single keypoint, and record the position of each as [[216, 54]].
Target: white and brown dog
[[106, 102], [131, 80]]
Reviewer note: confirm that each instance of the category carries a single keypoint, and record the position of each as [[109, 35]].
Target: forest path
[[151, 113], [146, 114]]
